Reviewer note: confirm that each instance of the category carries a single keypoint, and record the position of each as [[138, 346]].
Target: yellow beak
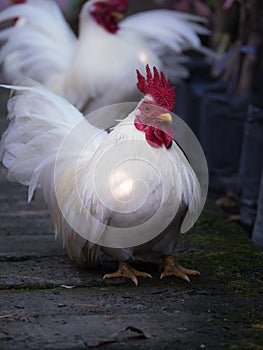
[[117, 15], [165, 117]]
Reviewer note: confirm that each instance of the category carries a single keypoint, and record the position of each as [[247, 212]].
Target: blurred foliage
[[211, 3]]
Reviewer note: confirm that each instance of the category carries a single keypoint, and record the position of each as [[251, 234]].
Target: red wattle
[[154, 135]]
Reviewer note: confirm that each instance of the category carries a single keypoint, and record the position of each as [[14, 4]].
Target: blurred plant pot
[[221, 133], [181, 90], [183, 70], [257, 236], [190, 93], [251, 165], [197, 89]]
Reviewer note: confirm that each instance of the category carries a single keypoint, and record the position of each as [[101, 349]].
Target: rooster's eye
[[146, 108]]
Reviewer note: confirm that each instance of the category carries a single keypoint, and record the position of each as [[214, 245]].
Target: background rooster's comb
[[158, 87]]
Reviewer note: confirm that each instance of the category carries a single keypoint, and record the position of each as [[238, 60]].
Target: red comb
[[158, 87]]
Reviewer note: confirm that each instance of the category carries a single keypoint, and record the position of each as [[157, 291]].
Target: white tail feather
[[39, 121], [29, 148], [169, 28], [40, 41]]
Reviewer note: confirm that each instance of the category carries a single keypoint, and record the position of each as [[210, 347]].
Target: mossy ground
[[224, 252], [233, 269]]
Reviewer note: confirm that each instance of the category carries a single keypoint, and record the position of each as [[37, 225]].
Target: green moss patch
[[221, 251]]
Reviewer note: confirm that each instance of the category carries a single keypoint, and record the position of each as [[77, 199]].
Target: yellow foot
[[125, 270], [171, 268]]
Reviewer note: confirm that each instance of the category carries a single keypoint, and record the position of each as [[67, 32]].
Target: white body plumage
[[34, 150]]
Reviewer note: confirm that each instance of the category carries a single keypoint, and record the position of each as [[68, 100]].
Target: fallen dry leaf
[[113, 338], [6, 316], [5, 336], [67, 287], [138, 330], [258, 325]]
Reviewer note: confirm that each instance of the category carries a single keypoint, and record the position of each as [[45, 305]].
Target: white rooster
[[125, 193], [89, 70]]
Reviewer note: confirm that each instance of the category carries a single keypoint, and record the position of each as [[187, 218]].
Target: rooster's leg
[[171, 268], [125, 270]]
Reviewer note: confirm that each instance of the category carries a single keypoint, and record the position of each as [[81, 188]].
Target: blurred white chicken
[[89, 70], [125, 193]]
